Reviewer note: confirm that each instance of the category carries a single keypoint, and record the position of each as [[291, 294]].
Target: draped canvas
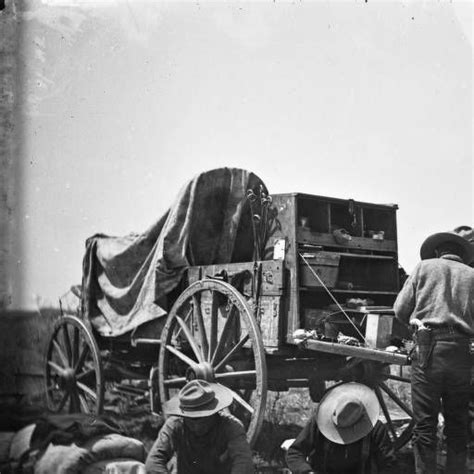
[[126, 279]]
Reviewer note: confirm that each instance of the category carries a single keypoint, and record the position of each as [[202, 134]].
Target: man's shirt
[[440, 291], [223, 450]]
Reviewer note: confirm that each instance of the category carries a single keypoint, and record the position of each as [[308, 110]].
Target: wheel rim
[[211, 334], [74, 381]]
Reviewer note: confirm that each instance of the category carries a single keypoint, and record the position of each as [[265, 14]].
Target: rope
[[332, 297]]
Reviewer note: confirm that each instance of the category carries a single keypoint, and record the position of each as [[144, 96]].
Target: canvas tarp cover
[[126, 279]]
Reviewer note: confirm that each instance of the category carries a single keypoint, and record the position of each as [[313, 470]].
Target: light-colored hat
[[430, 244], [199, 398], [348, 412]]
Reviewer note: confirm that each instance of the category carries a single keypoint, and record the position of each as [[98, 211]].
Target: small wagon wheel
[[211, 334], [389, 394], [74, 380]]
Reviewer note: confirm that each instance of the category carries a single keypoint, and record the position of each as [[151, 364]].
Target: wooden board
[[23, 339]]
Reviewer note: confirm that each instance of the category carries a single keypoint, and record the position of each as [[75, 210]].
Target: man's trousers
[[441, 382]]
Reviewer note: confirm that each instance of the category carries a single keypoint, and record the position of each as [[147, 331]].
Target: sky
[[124, 102]]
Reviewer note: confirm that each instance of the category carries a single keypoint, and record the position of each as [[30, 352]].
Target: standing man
[[438, 297], [204, 439]]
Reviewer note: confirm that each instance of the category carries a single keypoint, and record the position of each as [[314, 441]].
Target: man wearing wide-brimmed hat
[[204, 439], [438, 298], [344, 436]]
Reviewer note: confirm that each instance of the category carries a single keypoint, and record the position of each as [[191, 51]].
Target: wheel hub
[[68, 378], [203, 371]]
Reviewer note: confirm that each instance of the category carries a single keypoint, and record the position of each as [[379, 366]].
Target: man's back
[[440, 291]]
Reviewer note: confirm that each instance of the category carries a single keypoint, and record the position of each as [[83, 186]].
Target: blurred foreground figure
[[438, 300], [344, 437], [204, 439]]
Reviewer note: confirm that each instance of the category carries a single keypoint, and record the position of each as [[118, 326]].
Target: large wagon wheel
[[211, 334], [74, 380]]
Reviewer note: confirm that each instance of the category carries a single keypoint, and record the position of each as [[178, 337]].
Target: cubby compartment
[[313, 215], [345, 216], [380, 223], [367, 273]]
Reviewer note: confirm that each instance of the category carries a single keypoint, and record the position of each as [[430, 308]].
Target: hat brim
[[358, 430], [223, 398], [430, 244]]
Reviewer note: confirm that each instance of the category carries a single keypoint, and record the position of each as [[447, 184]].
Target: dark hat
[[429, 246], [199, 398], [348, 412]]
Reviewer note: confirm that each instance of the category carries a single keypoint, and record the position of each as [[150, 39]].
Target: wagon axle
[[203, 371]]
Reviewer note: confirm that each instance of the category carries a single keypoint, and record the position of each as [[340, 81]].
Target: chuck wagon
[[257, 292]]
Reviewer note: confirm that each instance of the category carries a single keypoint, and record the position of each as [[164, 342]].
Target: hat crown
[[348, 412], [432, 242], [195, 395]]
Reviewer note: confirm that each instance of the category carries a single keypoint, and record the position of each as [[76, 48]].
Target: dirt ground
[[137, 421], [286, 414]]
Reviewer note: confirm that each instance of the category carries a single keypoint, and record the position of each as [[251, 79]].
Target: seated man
[[344, 437], [204, 439]]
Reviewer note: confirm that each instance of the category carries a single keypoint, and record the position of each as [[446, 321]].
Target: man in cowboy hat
[[344, 436], [204, 439], [438, 298]]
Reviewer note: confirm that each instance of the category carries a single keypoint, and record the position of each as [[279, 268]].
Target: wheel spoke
[[185, 319], [190, 338], [67, 343], [84, 405], [176, 382], [85, 374], [214, 322], [229, 355], [87, 390], [63, 401], [399, 379], [75, 345], [200, 323], [82, 358], [394, 397], [60, 353], [59, 370], [385, 412], [181, 356], [238, 374], [242, 402], [225, 332]]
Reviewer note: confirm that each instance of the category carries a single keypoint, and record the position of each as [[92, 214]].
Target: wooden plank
[[272, 274], [356, 243], [354, 351]]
